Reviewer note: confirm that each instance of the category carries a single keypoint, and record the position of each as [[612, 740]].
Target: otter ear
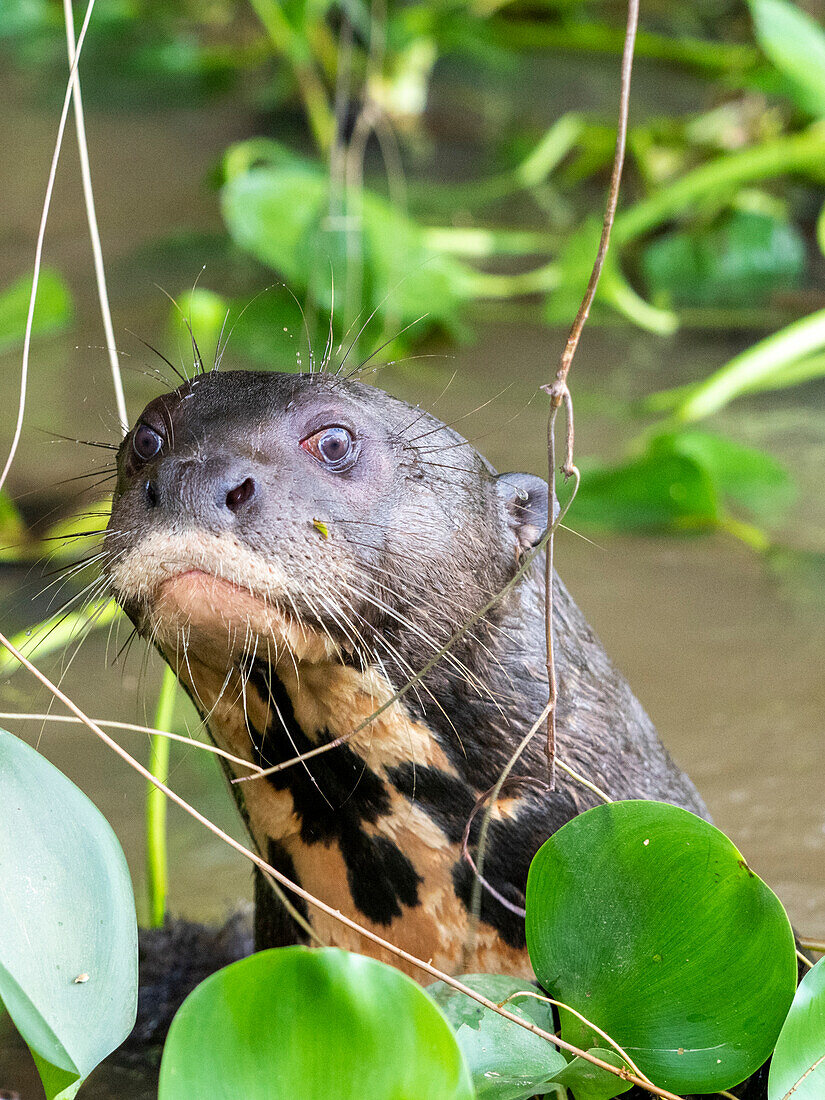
[[525, 499]]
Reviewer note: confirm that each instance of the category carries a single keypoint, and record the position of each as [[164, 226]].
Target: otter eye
[[334, 446], [146, 442]]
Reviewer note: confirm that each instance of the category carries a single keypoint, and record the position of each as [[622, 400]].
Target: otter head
[[307, 518]]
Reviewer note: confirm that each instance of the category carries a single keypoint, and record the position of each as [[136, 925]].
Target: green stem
[[289, 45], [485, 243], [530, 35], [157, 879], [56, 633], [483, 284], [533, 171], [753, 367], [721, 176], [620, 294]]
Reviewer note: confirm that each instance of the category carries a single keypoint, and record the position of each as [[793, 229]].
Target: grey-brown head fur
[[295, 590]]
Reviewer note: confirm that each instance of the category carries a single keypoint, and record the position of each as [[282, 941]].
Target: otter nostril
[[238, 496], [151, 493]]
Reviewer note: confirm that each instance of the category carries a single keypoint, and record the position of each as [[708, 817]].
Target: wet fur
[[303, 632]]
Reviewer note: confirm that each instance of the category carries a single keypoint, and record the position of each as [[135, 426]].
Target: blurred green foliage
[[355, 231]]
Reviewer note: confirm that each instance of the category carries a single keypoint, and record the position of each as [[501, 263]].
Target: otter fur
[[298, 546]]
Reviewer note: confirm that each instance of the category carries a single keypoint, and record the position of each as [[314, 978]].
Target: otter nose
[[210, 492], [240, 494]]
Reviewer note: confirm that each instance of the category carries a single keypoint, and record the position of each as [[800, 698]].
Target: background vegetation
[[398, 190]]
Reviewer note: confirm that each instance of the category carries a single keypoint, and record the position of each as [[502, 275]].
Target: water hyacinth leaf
[[52, 311], [68, 934], [739, 262], [279, 212], [798, 1063], [795, 43], [506, 1061], [647, 920], [742, 474], [655, 492], [317, 1024], [589, 1082]]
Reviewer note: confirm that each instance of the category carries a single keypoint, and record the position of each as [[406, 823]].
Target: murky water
[[727, 659]]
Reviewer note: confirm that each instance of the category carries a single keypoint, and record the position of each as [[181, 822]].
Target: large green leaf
[[53, 309], [742, 474], [798, 1063], [506, 1061], [655, 492], [68, 935], [795, 43], [315, 1024], [277, 207], [649, 922], [739, 262]]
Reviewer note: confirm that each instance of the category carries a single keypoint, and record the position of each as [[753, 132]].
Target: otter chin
[[219, 621], [298, 547]]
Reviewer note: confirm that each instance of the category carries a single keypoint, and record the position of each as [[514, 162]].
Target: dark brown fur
[[334, 588]]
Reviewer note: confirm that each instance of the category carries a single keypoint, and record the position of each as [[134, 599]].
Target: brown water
[[727, 659]]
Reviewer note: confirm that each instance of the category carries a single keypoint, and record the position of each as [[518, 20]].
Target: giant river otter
[[297, 546]]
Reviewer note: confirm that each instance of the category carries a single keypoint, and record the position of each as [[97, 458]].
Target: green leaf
[[506, 1061], [739, 262], [798, 1063], [795, 43], [589, 1082], [68, 935], [649, 922], [315, 1024], [12, 528], [267, 329], [277, 208], [742, 474], [53, 309], [658, 491]]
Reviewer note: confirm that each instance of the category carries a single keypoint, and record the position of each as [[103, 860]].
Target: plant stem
[[480, 243], [483, 284], [56, 633], [289, 45], [753, 366], [723, 175], [600, 38], [157, 878]]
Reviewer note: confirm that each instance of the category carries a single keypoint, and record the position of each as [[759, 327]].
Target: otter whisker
[[379, 349], [149, 347], [458, 419]]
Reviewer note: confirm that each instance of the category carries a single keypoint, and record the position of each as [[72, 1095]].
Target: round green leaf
[[506, 1061], [315, 1024], [68, 934], [589, 1082], [649, 922], [798, 1063], [53, 308]]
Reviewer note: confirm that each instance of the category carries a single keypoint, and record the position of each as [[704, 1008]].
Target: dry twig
[[310, 899], [557, 390]]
